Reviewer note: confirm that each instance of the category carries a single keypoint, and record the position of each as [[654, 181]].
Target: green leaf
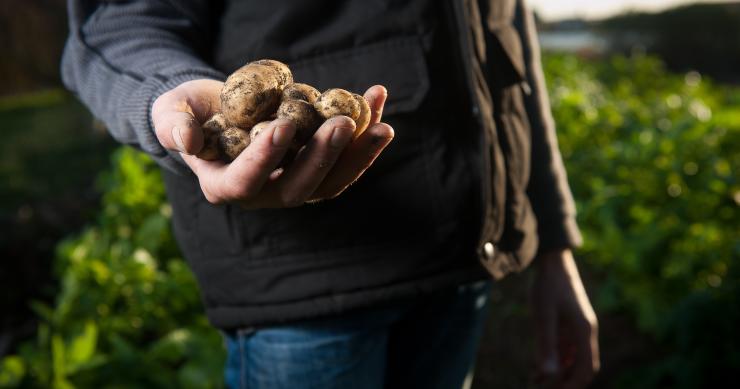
[[94, 362], [58, 357], [149, 235], [62, 383], [82, 347], [171, 347], [12, 371], [122, 348], [68, 297], [193, 376], [43, 310]]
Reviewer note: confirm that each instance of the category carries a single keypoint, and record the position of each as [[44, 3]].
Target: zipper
[[465, 45]]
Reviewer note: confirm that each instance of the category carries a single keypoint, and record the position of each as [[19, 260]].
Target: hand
[[567, 329], [323, 169]]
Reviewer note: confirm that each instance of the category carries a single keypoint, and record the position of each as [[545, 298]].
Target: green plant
[[653, 160], [128, 313]]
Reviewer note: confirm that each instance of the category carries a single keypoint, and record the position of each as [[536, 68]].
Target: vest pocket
[[218, 230], [398, 64]]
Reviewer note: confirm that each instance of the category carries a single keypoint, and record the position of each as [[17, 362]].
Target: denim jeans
[[428, 342]]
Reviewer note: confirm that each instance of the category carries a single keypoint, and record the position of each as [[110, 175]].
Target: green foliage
[[128, 313], [653, 160]]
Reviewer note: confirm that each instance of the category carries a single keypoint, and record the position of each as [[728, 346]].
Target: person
[[319, 277]]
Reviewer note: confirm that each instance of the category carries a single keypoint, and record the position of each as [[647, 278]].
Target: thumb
[[177, 114], [176, 126], [376, 97]]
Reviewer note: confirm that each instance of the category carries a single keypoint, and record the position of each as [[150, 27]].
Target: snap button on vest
[[490, 250]]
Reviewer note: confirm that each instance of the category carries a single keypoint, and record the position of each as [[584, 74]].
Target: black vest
[[409, 226]]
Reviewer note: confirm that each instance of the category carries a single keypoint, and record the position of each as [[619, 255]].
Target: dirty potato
[[252, 93], [304, 117], [335, 102], [212, 128], [283, 74], [299, 91], [363, 119], [232, 141], [262, 91], [259, 127]]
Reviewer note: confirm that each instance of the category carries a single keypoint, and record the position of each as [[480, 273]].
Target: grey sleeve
[[121, 55], [548, 189]]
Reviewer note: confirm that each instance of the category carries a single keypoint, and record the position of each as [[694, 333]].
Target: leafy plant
[[653, 160], [128, 313]]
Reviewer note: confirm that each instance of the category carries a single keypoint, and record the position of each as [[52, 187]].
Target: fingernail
[[341, 136], [177, 137], [380, 136], [282, 136]]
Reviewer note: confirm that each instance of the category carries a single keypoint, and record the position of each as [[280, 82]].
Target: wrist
[[556, 261], [552, 255]]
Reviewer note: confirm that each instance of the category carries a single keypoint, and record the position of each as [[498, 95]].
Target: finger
[[203, 97], [178, 114], [202, 167], [242, 180], [354, 160], [548, 365], [246, 175], [209, 174], [376, 96], [177, 130], [315, 161], [584, 367]]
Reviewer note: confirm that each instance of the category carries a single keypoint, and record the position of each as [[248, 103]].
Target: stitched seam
[[318, 257], [452, 274], [242, 362], [354, 52]]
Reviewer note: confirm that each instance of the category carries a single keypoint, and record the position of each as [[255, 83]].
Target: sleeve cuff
[[559, 234]]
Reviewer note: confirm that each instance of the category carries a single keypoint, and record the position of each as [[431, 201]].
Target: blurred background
[[646, 95]]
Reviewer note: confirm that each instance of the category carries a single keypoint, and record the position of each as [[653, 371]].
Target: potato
[[290, 154], [334, 102], [252, 93], [298, 91], [262, 91], [212, 128], [259, 127], [285, 77], [232, 141], [303, 115], [363, 120]]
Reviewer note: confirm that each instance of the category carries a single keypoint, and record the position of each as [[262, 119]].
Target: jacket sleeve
[[548, 189], [121, 55]]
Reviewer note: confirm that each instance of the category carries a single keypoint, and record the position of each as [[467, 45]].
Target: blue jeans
[[424, 343]]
